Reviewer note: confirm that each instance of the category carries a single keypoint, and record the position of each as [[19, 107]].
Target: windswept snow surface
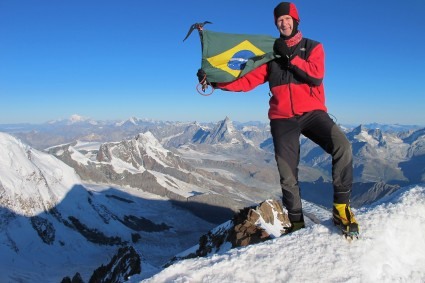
[[391, 249]]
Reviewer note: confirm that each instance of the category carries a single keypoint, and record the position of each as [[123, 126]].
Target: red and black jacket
[[296, 88]]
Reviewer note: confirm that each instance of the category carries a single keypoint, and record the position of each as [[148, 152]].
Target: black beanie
[[286, 8]]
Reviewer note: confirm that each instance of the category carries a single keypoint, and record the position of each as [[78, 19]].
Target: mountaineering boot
[[343, 217], [294, 227]]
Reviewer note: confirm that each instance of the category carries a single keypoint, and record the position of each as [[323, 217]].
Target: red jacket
[[296, 89]]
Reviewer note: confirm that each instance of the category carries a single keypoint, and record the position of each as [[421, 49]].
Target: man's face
[[285, 25]]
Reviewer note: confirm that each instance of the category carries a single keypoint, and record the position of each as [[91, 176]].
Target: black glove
[[280, 48], [202, 78], [201, 75]]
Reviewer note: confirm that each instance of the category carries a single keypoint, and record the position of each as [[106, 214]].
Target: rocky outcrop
[[251, 225], [125, 263], [44, 228]]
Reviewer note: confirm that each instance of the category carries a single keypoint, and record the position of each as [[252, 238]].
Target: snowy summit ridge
[[391, 249]]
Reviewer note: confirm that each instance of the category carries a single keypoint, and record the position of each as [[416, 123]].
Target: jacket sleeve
[[311, 70], [248, 82]]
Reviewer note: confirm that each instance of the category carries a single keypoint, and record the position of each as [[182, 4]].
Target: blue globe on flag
[[239, 59]]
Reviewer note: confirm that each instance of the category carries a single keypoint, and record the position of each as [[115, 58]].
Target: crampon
[[350, 232]]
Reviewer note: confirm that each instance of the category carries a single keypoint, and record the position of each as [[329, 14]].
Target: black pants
[[321, 129]]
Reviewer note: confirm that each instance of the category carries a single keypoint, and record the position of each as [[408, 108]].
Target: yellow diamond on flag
[[233, 60]]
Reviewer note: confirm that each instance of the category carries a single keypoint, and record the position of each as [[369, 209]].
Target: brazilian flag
[[226, 57]]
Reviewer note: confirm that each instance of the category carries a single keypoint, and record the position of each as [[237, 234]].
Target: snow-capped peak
[[151, 144], [131, 121], [224, 132], [45, 180], [76, 118]]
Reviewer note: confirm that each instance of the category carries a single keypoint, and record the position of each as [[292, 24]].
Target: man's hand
[[203, 82], [202, 76], [280, 48]]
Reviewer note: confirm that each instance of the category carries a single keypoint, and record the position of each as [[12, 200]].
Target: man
[[297, 106]]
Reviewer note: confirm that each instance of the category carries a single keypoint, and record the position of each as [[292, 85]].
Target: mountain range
[[388, 154], [99, 192]]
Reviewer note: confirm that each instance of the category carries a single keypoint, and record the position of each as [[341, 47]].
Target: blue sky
[[117, 59]]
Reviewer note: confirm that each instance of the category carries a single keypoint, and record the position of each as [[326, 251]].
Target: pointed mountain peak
[[224, 132], [226, 124], [223, 128], [147, 137], [133, 120], [359, 129]]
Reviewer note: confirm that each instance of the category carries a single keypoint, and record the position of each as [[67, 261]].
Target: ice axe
[[203, 85], [198, 26]]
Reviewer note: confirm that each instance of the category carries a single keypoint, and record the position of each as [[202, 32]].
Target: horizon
[[75, 118], [105, 59]]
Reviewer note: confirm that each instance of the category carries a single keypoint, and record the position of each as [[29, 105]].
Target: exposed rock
[[125, 263], [94, 235], [143, 224], [45, 229], [249, 226], [76, 279]]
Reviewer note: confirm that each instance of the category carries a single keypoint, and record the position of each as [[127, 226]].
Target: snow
[[366, 137], [188, 153], [174, 185], [120, 166], [391, 248], [250, 129], [76, 118], [37, 172], [77, 156], [273, 229], [131, 120], [88, 146], [167, 139], [153, 147]]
